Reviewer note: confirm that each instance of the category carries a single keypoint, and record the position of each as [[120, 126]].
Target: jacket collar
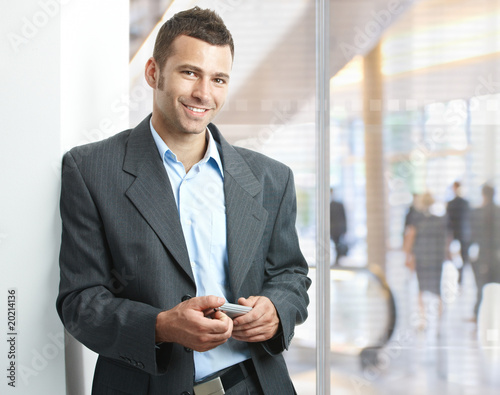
[[152, 195]]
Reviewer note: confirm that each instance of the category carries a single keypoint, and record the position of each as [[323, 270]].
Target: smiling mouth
[[196, 109]]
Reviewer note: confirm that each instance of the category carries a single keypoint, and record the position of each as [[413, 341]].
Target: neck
[[189, 151], [188, 147]]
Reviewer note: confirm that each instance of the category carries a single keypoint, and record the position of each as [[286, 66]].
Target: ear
[[152, 72]]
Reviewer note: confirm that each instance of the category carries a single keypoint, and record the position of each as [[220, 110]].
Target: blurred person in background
[[485, 222], [425, 248], [338, 227], [458, 212], [410, 214]]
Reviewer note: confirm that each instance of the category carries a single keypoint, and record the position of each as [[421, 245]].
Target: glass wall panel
[[439, 117]]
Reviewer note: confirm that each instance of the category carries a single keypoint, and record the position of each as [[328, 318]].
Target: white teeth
[[196, 109]]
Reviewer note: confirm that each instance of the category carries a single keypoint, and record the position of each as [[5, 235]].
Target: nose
[[202, 90]]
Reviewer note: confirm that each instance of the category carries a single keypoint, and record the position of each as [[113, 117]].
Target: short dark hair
[[202, 24]]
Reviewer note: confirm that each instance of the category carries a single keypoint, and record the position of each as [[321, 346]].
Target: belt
[[226, 380]]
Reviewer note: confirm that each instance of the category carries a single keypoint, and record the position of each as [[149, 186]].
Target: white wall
[[63, 65]]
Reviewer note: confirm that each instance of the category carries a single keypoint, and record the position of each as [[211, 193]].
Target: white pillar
[[64, 63], [29, 225], [94, 106]]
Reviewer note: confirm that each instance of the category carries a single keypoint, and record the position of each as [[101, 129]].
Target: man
[[338, 227], [485, 222], [164, 223], [458, 212]]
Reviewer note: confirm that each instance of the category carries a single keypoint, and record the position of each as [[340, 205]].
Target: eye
[[189, 73], [220, 81]]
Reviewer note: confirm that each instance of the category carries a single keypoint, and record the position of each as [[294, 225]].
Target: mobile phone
[[234, 310]]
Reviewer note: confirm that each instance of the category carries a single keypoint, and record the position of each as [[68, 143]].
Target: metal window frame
[[322, 197]]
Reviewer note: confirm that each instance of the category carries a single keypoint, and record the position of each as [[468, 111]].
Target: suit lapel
[[245, 216], [151, 193]]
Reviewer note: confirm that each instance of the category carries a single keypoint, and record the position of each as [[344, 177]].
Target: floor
[[435, 354]]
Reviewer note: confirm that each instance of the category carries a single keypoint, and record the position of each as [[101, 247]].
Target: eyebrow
[[201, 71]]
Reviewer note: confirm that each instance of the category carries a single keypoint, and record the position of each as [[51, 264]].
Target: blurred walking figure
[[338, 227], [485, 222], [458, 212], [410, 214], [425, 248]]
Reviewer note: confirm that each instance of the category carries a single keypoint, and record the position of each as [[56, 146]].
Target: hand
[[258, 325], [188, 324]]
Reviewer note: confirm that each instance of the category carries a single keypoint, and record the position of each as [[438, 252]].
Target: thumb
[[207, 302], [247, 302]]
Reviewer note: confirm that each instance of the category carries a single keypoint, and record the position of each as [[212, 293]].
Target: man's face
[[192, 86]]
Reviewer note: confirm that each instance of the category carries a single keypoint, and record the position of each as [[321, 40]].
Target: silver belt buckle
[[212, 387]]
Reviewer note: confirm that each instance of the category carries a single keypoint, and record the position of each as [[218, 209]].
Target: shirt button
[[193, 264], [188, 222]]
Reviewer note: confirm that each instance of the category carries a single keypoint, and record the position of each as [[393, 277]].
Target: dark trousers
[[464, 254]]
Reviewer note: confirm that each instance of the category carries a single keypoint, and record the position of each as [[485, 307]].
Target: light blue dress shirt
[[199, 195]]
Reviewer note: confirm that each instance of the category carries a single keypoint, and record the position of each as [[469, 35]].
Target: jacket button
[[187, 349], [186, 297], [140, 365], [186, 393]]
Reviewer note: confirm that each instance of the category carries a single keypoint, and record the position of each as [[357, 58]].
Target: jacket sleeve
[[89, 301], [286, 282]]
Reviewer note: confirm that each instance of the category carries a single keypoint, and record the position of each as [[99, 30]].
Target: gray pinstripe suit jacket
[[123, 259]]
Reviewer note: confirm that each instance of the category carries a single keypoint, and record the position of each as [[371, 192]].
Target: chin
[[195, 129]]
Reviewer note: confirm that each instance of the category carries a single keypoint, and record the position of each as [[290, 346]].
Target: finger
[[253, 335], [266, 329], [251, 318], [206, 344], [204, 303], [219, 324], [250, 301], [226, 321], [207, 338]]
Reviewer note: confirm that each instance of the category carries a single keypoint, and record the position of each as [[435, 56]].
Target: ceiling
[[275, 58], [275, 53]]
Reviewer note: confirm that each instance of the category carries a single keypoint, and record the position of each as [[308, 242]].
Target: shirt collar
[[211, 153]]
